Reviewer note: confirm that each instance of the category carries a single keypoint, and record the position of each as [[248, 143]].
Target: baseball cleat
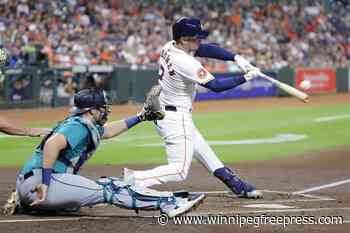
[[11, 205], [254, 194], [184, 205], [181, 193], [128, 176], [239, 187]]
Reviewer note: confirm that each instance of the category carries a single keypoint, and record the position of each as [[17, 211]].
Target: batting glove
[[244, 64], [252, 73]]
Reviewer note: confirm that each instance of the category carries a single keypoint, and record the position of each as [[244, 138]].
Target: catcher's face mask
[[89, 100], [103, 114]]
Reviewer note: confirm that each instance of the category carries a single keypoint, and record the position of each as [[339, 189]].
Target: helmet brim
[[202, 34]]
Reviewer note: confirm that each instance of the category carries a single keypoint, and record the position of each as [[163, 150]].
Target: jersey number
[[161, 72]]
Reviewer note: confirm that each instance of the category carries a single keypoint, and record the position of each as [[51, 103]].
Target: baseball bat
[[290, 90]]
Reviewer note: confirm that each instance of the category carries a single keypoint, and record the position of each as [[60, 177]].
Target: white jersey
[[179, 74]]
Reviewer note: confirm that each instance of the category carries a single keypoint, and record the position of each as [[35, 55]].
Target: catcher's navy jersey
[[78, 137]]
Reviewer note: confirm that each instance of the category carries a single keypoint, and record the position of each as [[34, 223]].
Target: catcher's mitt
[[151, 109]]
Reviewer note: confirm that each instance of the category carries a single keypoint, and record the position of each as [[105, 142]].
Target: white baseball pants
[[182, 141]]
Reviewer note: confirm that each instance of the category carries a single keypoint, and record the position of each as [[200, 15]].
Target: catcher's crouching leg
[[128, 196]]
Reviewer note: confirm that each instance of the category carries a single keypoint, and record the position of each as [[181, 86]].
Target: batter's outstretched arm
[[223, 84], [212, 50]]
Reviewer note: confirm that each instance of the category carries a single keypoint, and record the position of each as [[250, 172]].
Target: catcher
[[49, 181]]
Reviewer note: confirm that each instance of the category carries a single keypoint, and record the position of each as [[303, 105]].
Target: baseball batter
[[180, 73], [49, 181]]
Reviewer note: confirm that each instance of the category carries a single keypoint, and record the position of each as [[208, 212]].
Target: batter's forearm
[[214, 51], [223, 84]]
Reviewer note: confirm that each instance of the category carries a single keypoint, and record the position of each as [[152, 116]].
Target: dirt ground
[[278, 178]]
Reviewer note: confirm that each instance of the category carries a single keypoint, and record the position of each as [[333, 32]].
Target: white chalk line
[[317, 197], [331, 118], [228, 213], [270, 211], [317, 188], [49, 219], [74, 218], [279, 138], [311, 198]]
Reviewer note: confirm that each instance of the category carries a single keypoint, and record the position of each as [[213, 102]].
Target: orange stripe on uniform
[[183, 166]]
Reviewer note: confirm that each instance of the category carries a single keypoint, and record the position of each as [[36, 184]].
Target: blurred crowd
[[123, 32], [65, 85]]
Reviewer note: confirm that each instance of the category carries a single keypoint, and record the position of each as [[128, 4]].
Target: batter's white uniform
[[180, 73]]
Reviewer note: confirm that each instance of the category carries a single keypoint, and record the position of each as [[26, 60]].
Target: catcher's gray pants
[[70, 192]]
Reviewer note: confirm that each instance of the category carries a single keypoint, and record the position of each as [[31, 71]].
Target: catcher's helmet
[[90, 98], [188, 27]]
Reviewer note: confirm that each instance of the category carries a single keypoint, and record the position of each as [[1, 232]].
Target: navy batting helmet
[[90, 98], [188, 27]]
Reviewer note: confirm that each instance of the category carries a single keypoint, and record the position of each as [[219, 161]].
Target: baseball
[[305, 84]]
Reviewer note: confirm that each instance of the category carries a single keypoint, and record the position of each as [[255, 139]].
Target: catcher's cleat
[[182, 205], [194, 197], [128, 176], [181, 193], [11, 205]]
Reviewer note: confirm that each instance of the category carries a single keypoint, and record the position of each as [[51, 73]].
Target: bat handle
[[264, 75], [261, 74]]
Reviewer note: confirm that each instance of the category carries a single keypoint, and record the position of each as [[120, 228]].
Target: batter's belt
[[177, 109]]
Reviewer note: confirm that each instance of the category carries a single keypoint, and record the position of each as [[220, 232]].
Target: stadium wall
[[42, 86]]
